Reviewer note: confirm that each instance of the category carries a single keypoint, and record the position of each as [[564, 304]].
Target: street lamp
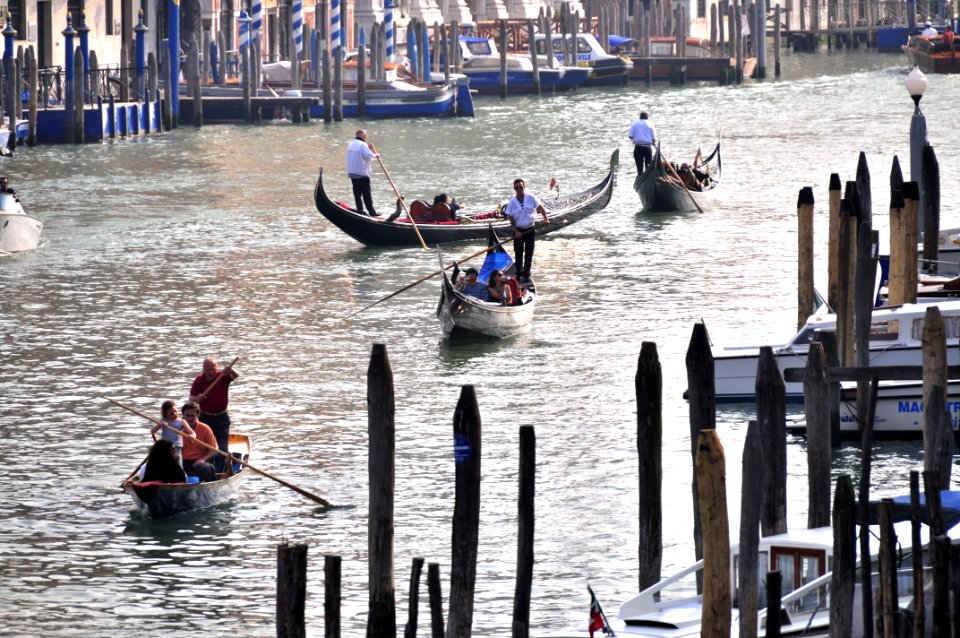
[[916, 85]]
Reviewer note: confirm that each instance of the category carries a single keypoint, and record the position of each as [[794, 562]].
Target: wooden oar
[[203, 395], [402, 203], [418, 282], [299, 490], [692, 198]]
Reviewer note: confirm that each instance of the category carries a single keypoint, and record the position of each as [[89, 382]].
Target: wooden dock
[[231, 108]]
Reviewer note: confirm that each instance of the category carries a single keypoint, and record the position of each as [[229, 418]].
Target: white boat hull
[[735, 370], [485, 318], [19, 231]]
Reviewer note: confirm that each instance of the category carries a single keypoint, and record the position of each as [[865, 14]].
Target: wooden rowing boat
[[377, 231], [161, 500], [660, 192], [460, 314]]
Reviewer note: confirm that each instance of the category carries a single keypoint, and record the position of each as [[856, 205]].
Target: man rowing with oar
[[211, 390]]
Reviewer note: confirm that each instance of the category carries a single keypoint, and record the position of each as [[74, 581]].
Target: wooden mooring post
[[291, 590], [525, 527], [435, 594], [843, 578], [649, 390], [753, 483], [466, 512], [78, 95], [702, 402], [865, 420], [381, 434], [331, 596], [804, 255], [916, 547], [889, 597], [413, 600], [774, 594], [712, 480], [816, 406], [771, 416], [34, 83]]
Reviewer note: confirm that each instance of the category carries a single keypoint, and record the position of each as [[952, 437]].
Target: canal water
[[160, 251]]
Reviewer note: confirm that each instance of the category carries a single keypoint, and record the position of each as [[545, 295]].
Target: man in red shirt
[[211, 391], [196, 458]]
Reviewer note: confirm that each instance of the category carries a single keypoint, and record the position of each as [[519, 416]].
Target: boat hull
[[735, 370], [372, 231], [487, 81], [660, 193], [19, 232], [163, 500], [483, 318]]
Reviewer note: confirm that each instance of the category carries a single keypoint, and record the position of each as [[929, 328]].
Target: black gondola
[[376, 231], [660, 192]]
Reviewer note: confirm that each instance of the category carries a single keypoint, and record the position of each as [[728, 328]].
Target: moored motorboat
[[377, 231], [661, 191], [895, 340], [461, 314], [481, 64], [18, 230], [605, 69], [672, 608], [161, 500]]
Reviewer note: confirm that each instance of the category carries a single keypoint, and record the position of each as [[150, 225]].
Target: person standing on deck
[[929, 29], [522, 211], [360, 155], [213, 399], [644, 138]]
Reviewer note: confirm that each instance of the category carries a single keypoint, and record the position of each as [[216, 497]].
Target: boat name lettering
[[904, 407]]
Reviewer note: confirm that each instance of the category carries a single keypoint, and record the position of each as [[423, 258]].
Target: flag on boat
[[496, 259], [597, 620], [554, 186]]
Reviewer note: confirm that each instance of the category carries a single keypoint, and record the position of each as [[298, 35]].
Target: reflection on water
[[158, 252]]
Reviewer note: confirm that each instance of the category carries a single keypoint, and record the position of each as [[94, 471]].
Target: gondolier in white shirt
[[522, 211], [360, 155], [644, 138]]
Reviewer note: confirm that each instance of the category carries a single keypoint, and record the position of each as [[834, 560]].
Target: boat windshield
[[8, 203]]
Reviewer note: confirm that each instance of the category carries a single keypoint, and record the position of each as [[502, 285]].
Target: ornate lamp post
[[916, 85]]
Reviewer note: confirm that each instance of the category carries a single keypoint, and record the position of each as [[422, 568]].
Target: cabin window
[[763, 565], [479, 48], [16, 11], [805, 336], [797, 568], [951, 326], [701, 8], [885, 330], [583, 46]]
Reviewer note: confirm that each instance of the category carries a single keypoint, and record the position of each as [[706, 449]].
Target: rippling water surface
[[160, 251]]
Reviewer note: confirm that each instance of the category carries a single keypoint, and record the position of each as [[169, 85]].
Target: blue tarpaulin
[[495, 260]]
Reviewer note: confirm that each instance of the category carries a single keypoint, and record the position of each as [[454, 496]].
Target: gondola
[[461, 314], [660, 192], [162, 500], [377, 231]]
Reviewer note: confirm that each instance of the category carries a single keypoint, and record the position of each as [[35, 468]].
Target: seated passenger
[[688, 178], [468, 284], [163, 464], [196, 457], [498, 289], [452, 204]]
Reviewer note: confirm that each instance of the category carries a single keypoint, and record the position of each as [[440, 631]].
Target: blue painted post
[[412, 50], [140, 33], [173, 77], [84, 31], [68, 35], [388, 27], [215, 61], [425, 52], [9, 33]]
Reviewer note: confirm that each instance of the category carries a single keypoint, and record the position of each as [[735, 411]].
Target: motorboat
[[932, 54], [154, 499], [895, 334], [672, 608], [18, 230], [605, 69], [481, 64]]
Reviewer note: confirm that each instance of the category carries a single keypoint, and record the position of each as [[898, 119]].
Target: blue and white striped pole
[[388, 27], [244, 21], [297, 27], [256, 13], [335, 26]]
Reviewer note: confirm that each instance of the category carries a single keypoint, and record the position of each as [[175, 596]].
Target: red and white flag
[[597, 620]]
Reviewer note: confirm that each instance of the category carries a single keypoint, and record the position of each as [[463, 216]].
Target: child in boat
[[175, 428]]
